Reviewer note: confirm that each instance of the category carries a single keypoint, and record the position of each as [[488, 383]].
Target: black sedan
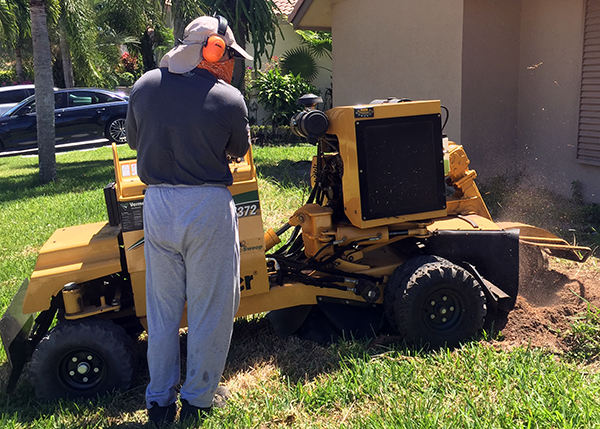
[[79, 114]]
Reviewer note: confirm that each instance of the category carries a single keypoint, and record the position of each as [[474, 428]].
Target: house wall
[[549, 86], [490, 84], [373, 60]]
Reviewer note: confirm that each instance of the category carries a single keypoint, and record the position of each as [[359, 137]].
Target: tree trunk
[[65, 53], [147, 51], [178, 24], [19, 63], [239, 70], [44, 92]]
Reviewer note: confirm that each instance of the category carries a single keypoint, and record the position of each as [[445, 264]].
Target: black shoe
[[161, 415], [191, 413]]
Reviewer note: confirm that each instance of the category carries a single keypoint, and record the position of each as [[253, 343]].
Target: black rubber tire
[[395, 283], [115, 131], [440, 304], [82, 359]]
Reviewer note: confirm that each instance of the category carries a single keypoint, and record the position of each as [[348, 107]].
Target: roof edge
[[298, 13]]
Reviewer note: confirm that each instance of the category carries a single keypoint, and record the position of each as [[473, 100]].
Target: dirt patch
[[548, 303]]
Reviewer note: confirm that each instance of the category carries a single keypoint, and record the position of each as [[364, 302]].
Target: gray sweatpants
[[192, 253]]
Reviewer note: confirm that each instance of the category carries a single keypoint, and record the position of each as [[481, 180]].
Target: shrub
[[126, 79], [264, 135], [129, 63], [7, 77], [278, 93]]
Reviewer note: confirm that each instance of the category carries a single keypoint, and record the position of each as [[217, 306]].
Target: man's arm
[[239, 141], [131, 126]]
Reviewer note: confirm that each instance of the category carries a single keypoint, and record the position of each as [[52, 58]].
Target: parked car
[[79, 114], [12, 95]]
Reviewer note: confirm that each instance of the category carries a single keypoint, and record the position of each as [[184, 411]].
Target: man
[[184, 119]]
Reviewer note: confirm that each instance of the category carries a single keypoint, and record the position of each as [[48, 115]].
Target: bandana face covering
[[221, 70]]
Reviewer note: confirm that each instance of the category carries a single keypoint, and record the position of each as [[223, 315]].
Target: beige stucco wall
[[490, 84], [401, 48], [549, 81]]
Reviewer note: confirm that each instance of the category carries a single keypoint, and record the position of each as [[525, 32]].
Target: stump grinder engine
[[394, 238]]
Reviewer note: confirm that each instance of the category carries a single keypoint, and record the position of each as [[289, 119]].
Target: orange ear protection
[[215, 46]]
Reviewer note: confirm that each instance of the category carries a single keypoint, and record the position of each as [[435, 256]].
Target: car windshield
[[13, 95], [15, 108]]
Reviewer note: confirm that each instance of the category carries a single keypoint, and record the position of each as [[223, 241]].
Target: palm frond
[[20, 9], [185, 11], [300, 61], [8, 29], [319, 42]]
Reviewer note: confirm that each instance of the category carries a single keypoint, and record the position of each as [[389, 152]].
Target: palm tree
[[44, 92], [20, 9], [77, 39], [65, 53], [15, 30]]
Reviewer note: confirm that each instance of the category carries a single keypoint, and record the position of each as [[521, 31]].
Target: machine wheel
[[82, 359], [395, 282], [115, 131], [440, 304]]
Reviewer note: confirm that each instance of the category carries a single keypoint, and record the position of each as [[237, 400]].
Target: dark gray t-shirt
[[184, 125]]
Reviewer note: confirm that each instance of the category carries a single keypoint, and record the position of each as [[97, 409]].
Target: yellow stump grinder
[[395, 237]]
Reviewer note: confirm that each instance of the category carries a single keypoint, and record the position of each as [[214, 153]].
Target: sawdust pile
[[548, 304]]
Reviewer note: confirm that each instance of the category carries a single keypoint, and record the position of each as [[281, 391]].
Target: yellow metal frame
[[75, 254], [467, 198]]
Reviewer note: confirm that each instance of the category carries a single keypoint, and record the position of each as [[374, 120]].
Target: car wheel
[[115, 131], [440, 304], [82, 358]]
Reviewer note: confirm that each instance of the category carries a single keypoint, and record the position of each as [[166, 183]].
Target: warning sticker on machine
[[364, 112], [132, 215]]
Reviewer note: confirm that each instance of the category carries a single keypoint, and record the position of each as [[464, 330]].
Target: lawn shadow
[[286, 172], [71, 177], [255, 344]]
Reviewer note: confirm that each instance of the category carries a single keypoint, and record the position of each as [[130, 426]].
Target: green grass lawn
[[279, 383]]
